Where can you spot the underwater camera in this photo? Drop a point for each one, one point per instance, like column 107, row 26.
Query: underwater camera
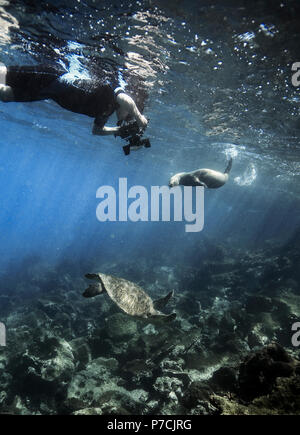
column 133, row 134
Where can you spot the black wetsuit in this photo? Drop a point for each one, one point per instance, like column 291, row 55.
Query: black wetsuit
column 90, row 96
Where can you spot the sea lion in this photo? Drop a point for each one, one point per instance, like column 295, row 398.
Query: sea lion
column 129, row 297
column 202, row 177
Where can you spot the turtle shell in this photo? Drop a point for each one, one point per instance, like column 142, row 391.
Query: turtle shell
column 130, row 297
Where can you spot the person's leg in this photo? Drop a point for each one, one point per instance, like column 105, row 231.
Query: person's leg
column 26, row 83
column 3, row 71
column 6, row 92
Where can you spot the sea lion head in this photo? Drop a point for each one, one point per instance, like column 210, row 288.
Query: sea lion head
column 175, row 179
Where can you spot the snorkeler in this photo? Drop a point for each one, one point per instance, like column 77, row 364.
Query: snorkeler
column 93, row 95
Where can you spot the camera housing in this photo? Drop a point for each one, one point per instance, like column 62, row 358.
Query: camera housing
column 133, row 134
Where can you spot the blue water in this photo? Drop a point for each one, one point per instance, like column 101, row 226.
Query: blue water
column 207, row 101
column 51, row 168
column 218, row 78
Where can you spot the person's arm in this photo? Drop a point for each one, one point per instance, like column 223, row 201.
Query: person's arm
column 104, row 131
column 127, row 105
column 99, row 128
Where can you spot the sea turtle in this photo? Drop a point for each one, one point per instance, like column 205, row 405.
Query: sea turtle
column 130, row 297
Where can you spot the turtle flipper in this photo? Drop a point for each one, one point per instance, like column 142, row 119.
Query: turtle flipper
column 165, row 317
column 160, row 317
column 158, row 304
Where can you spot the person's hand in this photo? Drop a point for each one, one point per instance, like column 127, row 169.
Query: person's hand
column 142, row 121
column 117, row 132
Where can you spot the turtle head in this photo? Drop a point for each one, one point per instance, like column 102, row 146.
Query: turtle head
column 93, row 290
column 93, row 276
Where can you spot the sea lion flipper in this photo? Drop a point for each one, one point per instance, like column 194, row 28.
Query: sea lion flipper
column 194, row 180
column 158, row 304
column 229, row 166
column 198, row 182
